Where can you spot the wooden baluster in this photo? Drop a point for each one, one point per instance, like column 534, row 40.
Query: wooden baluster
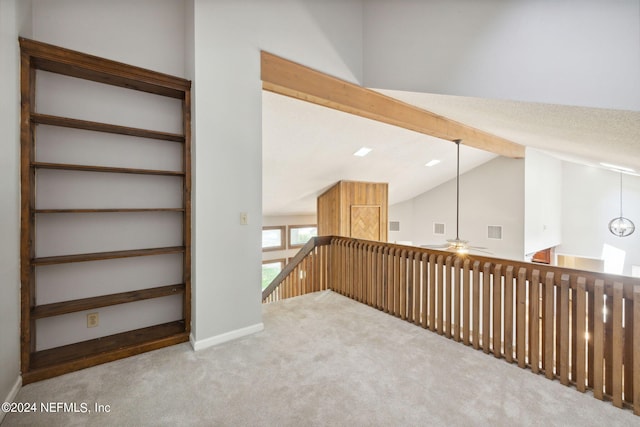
column 339, row 272
column 608, row 346
column 373, row 285
column 457, row 288
column 564, row 329
column 598, row 339
column 636, row 350
column 346, row 265
column 486, row 307
column 371, row 274
column 400, row 285
column 476, row 305
column 440, row 319
column 375, row 265
column 617, row 349
column 426, row 291
column 628, row 350
column 590, row 326
column 385, row 280
column 356, row 265
column 432, row 292
column 391, row 262
column 362, row 273
column 581, row 317
column 407, row 302
column 534, row 322
column 508, row 315
column 521, row 317
column 497, row 311
column 419, row 291
column 549, row 325
column 448, row 292
column 466, row 303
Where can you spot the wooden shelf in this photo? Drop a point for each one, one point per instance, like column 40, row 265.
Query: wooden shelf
column 56, row 361
column 45, row 119
column 65, row 307
column 36, row 57
column 125, row 210
column 89, row 67
column 107, row 169
column 63, row 259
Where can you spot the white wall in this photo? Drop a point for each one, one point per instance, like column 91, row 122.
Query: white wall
column 591, row 198
column 146, row 33
column 403, row 213
column 563, row 52
column 228, row 38
column 491, row 194
column 542, row 201
column 14, row 21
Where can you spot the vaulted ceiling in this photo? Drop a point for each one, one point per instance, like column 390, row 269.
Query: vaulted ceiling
column 307, row 147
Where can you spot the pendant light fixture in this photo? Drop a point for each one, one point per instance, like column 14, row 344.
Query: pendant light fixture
column 621, row 226
column 457, row 245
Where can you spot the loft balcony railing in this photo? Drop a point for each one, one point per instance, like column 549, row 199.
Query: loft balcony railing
column 581, row 328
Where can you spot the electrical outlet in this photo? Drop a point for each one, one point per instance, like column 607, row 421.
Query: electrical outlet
column 244, row 218
column 92, row 320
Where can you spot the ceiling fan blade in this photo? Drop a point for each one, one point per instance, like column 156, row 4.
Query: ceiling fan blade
column 435, row 246
column 475, row 249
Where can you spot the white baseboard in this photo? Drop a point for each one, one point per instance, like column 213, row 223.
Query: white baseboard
column 12, row 395
column 227, row 336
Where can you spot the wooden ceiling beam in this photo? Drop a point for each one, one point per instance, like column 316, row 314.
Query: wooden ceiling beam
column 288, row 78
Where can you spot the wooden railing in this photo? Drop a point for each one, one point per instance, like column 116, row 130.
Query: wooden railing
column 305, row 273
column 579, row 327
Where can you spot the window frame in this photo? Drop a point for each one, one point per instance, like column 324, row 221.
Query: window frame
column 282, row 261
column 283, row 240
column 291, row 227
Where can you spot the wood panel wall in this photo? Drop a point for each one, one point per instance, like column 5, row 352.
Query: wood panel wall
column 334, row 206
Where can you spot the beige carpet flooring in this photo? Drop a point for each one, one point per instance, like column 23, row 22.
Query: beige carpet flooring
column 322, row 360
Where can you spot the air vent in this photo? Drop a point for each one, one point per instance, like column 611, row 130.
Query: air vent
column 494, row 232
column 438, row 228
column 394, row 225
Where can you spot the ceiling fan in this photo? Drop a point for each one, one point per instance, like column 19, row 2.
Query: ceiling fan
column 457, row 245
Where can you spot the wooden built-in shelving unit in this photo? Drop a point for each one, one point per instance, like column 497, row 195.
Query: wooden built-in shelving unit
column 49, row 362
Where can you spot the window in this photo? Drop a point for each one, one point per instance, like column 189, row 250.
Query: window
column 300, row 234
column 270, row 270
column 273, row 238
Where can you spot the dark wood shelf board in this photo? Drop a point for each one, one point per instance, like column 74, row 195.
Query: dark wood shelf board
column 107, row 169
column 71, row 63
column 45, row 119
column 116, row 210
column 60, row 360
column 65, row 307
column 63, row 259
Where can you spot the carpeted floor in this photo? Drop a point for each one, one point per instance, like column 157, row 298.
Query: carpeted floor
column 322, row 359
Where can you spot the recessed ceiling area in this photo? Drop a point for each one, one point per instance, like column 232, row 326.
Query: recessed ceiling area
column 307, row 147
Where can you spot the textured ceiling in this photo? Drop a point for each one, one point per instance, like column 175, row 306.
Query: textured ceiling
column 307, row 148
column 584, row 135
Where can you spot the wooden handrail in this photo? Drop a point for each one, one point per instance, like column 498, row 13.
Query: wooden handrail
column 581, row 328
column 302, row 253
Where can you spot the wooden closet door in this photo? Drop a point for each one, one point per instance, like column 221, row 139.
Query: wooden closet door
column 365, row 222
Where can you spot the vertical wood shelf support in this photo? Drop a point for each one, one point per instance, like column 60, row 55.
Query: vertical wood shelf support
column 39, row 365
